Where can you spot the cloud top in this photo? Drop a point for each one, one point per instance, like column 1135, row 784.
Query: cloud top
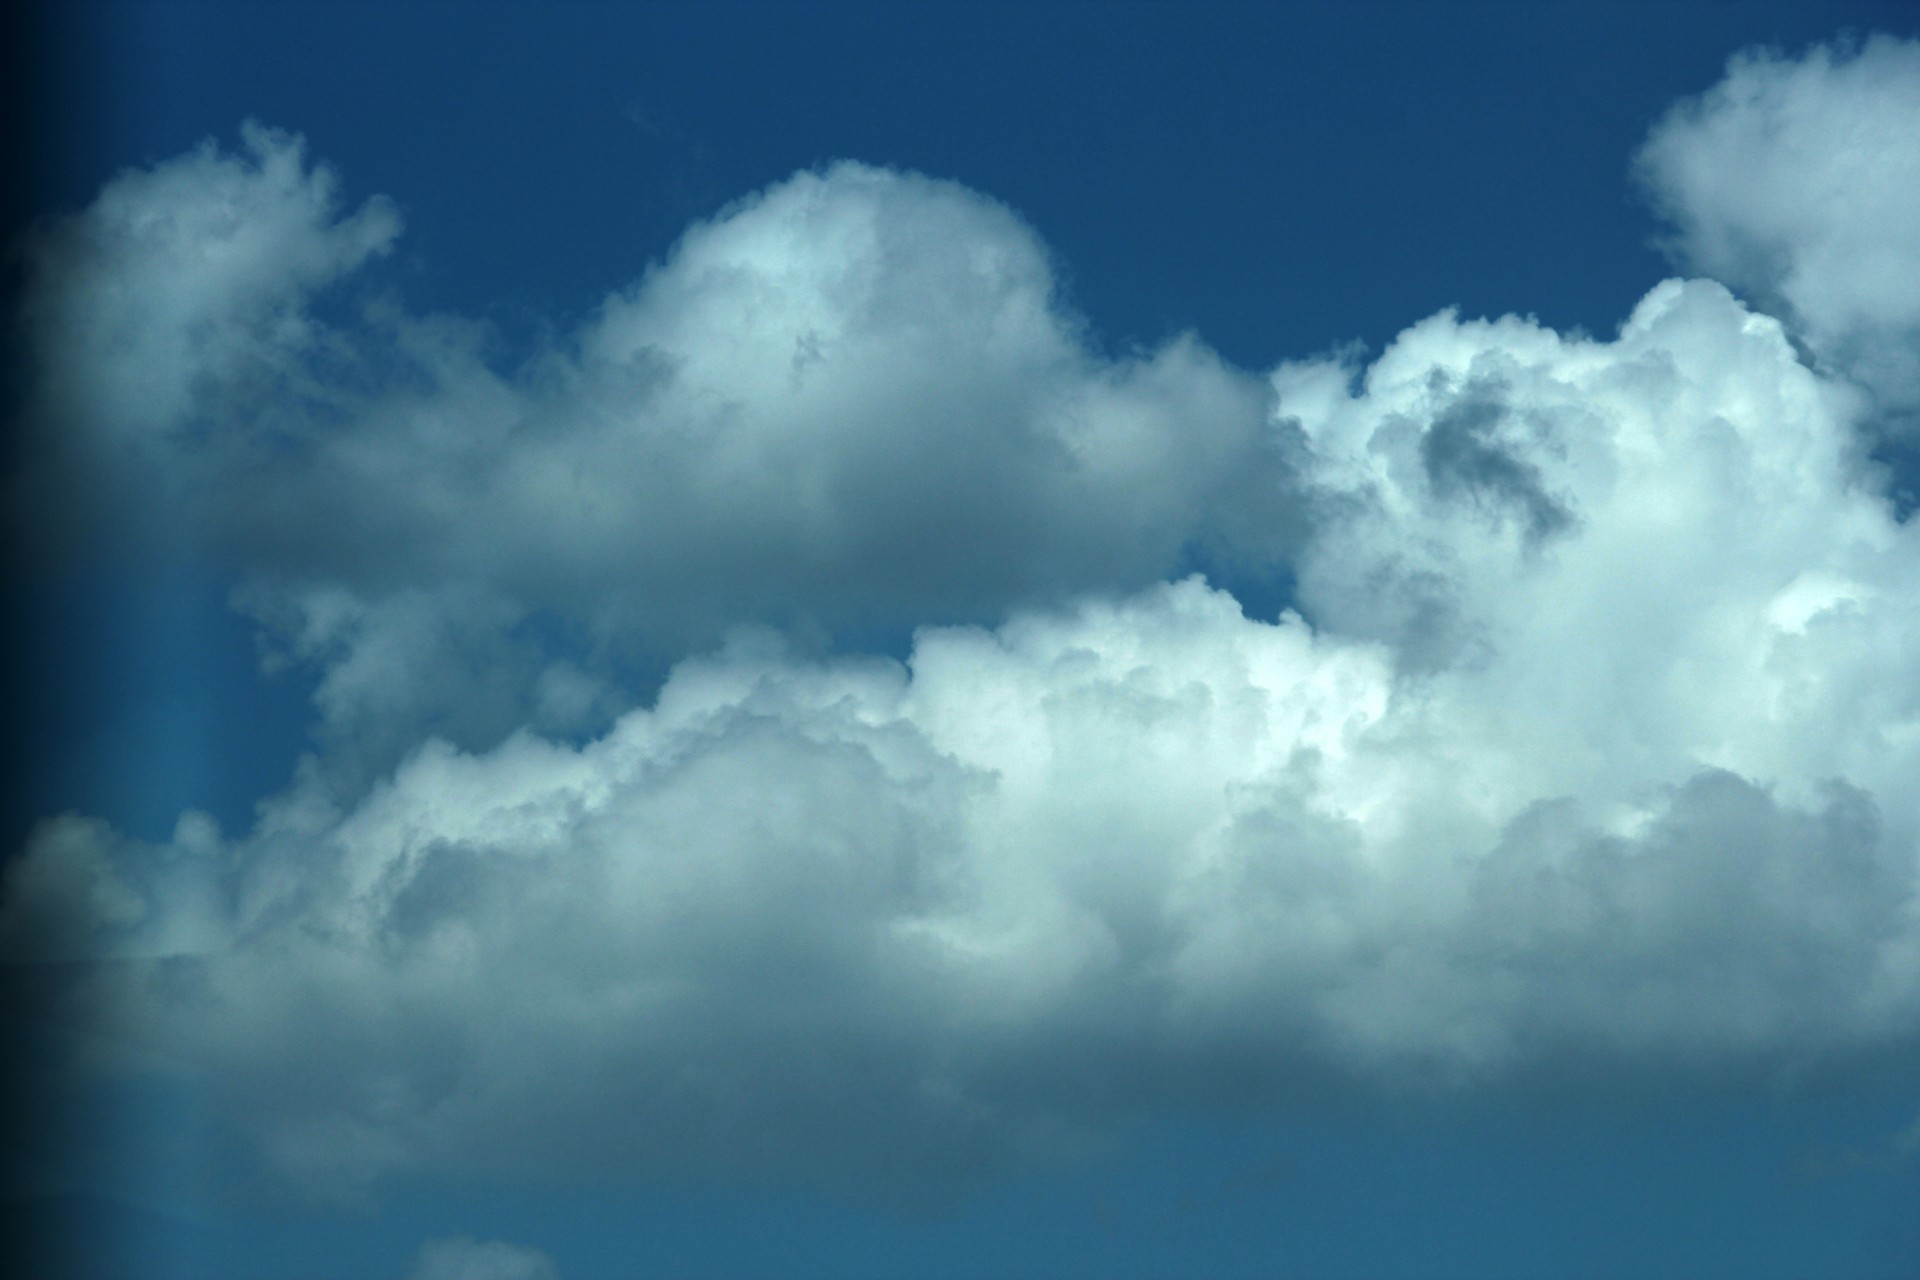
column 1795, row 180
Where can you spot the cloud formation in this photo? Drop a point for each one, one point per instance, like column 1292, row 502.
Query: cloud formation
column 851, row 401
column 1589, row 735
column 1795, row 180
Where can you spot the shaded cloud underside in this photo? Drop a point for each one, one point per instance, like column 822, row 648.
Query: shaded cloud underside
column 1591, row 731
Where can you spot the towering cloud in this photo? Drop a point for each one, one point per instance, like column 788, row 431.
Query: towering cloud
column 1589, row 735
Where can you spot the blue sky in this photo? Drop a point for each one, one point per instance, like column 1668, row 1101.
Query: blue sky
column 956, row 640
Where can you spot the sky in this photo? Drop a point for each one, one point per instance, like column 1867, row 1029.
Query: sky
column 929, row 640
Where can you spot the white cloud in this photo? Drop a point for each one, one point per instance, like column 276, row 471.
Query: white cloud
column 1796, row 179
column 1627, row 785
column 459, row 1258
column 162, row 320
column 851, row 400
column 1591, row 740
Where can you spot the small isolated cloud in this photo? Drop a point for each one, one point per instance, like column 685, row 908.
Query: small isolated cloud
column 1796, row 180
column 459, row 1258
column 1906, row 1143
column 1889, row 1155
column 1589, row 737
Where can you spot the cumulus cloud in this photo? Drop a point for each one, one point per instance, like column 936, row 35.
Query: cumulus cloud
column 1796, row 181
column 1631, row 789
column 459, row 1258
column 161, row 322
column 852, row 400
column 1589, row 735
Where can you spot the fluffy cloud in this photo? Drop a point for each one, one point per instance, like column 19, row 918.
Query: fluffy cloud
column 1589, row 737
column 165, row 321
column 850, row 401
column 1625, row 785
column 1796, row 179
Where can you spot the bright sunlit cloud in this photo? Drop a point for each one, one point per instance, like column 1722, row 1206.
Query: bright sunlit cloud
column 1796, row 179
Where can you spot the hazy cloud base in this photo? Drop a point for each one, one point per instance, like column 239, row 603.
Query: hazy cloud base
column 1591, row 733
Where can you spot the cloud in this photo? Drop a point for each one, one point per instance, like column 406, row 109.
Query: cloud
column 1588, row 739
column 462, row 1259
column 1631, row 791
column 1795, row 180
column 851, row 401
column 164, row 325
